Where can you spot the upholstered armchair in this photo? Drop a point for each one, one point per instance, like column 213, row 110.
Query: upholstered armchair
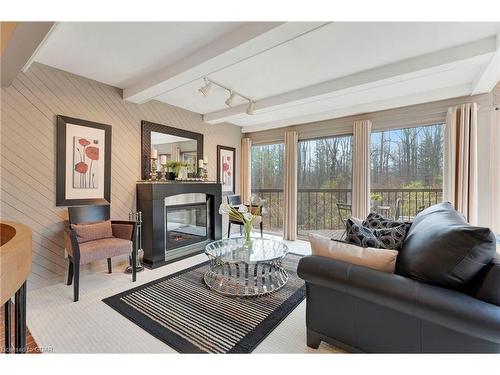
column 90, row 236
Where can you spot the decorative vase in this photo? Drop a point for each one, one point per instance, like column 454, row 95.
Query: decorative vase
column 248, row 232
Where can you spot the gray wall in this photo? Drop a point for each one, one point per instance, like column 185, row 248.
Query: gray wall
column 28, row 131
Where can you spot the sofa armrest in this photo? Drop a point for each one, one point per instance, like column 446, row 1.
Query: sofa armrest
column 123, row 229
column 434, row 304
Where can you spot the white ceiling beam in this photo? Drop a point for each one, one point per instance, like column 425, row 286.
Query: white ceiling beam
column 451, row 58
column 247, row 41
column 22, row 46
column 490, row 75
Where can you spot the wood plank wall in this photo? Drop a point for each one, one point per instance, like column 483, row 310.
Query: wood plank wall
column 28, row 144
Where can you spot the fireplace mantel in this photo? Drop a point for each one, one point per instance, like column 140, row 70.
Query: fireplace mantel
column 151, row 201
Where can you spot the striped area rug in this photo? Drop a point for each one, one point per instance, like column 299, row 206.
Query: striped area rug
column 183, row 313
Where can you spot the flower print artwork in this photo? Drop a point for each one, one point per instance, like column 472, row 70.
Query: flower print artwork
column 86, row 163
column 226, row 168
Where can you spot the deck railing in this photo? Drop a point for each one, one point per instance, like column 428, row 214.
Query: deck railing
column 317, row 208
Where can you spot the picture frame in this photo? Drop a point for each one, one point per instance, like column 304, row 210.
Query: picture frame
column 226, row 169
column 83, row 162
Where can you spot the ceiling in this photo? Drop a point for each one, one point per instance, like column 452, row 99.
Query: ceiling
column 296, row 72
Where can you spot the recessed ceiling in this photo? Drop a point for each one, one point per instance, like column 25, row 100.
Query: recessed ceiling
column 296, row 72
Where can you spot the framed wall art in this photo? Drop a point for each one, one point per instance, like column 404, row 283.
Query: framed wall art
column 226, row 169
column 83, row 171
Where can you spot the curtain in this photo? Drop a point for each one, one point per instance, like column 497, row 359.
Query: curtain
column 495, row 172
column 246, row 157
column 361, row 169
column 290, row 186
column 176, row 153
column 460, row 185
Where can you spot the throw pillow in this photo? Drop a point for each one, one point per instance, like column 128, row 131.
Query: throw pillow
column 94, row 231
column 377, row 259
column 385, row 238
column 377, row 221
column 441, row 248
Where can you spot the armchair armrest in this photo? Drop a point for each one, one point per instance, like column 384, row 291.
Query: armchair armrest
column 70, row 241
column 124, row 229
column 430, row 303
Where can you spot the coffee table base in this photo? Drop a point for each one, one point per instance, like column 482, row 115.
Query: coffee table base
column 245, row 280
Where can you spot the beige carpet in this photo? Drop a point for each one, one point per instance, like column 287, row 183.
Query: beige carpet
column 90, row 326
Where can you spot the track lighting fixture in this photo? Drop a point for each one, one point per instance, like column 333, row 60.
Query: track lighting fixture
column 205, row 88
column 251, row 107
column 232, row 95
column 230, row 101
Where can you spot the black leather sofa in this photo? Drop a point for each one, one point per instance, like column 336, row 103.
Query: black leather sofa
column 364, row 310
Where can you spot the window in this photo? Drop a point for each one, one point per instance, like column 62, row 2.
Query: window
column 324, row 178
column 406, row 170
column 267, row 182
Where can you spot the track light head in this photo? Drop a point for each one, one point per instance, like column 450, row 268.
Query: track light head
column 230, row 100
column 205, row 88
column 251, row 107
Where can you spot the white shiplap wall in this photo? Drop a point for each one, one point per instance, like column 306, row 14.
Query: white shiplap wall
column 28, row 146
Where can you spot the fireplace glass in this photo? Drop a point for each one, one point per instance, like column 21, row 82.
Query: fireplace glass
column 185, row 225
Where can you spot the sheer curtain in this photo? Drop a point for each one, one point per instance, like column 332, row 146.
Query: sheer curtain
column 246, row 157
column 460, row 185
column 290, row 187
column 361, row 168
column 495, row 172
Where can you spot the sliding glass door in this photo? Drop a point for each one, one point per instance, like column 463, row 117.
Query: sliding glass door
column 324, row 185
column 406, row 170
column 267, row 164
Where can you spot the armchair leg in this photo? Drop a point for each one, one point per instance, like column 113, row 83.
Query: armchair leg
column 313, row 339
column 229, row 230
column 261, row 229
column 109, row 266
column 76, row 283
column 70, row 272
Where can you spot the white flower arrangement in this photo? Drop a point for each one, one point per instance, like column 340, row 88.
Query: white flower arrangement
column 246, row 214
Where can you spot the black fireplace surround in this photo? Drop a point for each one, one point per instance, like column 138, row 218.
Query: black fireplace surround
column 176, row 228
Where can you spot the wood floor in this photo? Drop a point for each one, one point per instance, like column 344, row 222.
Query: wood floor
column 31, row 346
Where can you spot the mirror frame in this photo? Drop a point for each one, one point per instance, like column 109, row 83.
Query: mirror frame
column 147, row 127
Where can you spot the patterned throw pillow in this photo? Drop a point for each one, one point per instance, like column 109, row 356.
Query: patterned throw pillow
column 384, row 238
column 376, row 221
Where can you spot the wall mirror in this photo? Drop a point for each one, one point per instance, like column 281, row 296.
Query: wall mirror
column 171, row 144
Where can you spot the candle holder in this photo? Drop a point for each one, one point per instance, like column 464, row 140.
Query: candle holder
column 163, row 172
column 205, row 171
column 153, row 174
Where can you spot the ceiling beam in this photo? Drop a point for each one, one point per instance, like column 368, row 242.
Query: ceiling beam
column 22, row 45
column 443, row 60
column 490, row 75
column 248, row 40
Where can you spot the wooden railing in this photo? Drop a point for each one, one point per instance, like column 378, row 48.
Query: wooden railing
column 317, row 208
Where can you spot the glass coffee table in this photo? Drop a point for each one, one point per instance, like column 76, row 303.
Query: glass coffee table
column 237, row 269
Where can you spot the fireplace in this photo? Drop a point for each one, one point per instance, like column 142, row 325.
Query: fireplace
column 179, row 219
column 185, row 220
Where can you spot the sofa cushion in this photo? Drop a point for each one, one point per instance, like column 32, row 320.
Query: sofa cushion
column 91, row 251
column 441, row 248
column 93, row 231
column 378, row 259
column 486, row 284
column 385, row 238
